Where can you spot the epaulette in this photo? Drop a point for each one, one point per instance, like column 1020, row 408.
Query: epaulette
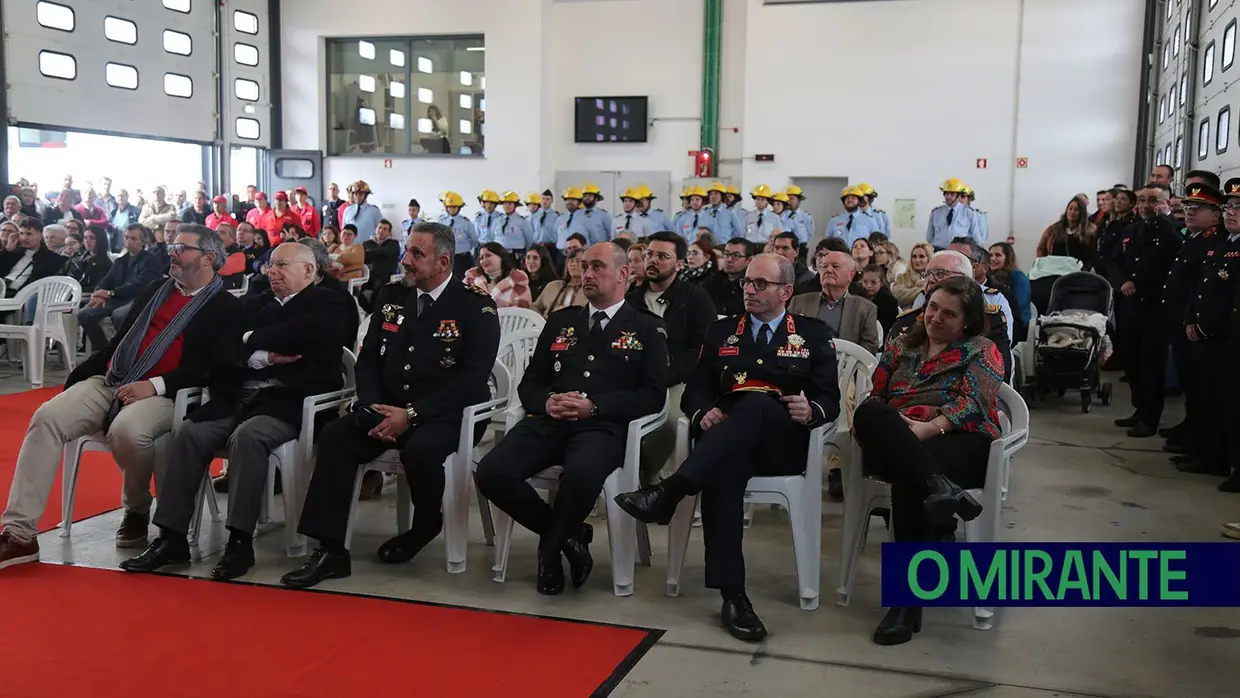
column 990, row 291
column 1209, row 232
column 995, row 309
column 476, row 289
column 910, row 311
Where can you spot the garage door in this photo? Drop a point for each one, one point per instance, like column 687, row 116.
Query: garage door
column 114, row 66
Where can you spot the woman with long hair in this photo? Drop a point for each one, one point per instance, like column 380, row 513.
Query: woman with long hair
column 887, row 255
column 330, row 237
column 874, row 288
column 1070, row 236
column 863, row 254
column 539, row 268
column 91, row 262
column 566, row 292
column 498, row 276
column 699, row 262
column 912, row 282
column 1004, row 270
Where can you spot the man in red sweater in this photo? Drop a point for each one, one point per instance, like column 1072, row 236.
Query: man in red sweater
column 174, row 337
column 220, row 214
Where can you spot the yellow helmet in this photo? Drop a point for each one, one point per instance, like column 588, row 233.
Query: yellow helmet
column 451, row 198
column 761, row 191
column 571, row 193
column 952, row 185
column 488, row 195
column 633, row 193
column 644, row 192
column 590, row 188
column 781, row 196
column 533, row 198
column 794, row 190
column 718, row 186
column 851, row 191
column 684, row 192
column 866, row 189
column 510, row 197
column 359, row 186
column 967, row 191
column 733, row 189
column 695, row 190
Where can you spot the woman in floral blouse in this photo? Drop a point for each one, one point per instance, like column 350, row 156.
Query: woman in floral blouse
column 928, row 423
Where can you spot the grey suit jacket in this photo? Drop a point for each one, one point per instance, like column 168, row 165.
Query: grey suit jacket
column 858, row 322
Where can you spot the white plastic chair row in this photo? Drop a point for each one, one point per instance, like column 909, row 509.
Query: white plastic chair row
column 360, row 282
column 55, row 297
column 514, row 319
column 862, row 493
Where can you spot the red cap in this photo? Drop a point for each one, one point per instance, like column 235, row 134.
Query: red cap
column 261, row 195
column 281, row 196
column 302, row 190
column 220, row 199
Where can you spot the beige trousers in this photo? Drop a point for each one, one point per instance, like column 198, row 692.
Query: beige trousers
column 77, row 412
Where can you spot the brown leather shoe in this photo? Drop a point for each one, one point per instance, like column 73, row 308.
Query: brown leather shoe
column 133, row 530
column 14, row 551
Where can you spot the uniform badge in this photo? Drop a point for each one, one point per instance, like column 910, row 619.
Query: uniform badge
column 489, row 309
column 556, row 366
column 1222, row 274
column 448, row 331
column 731, row 340
column 391, row 327
column 740, row 377
column 993, row 308
column 564, row 340
column 796, row 340
column 662, row 331
column 390, row 311
column 447, row 362
column 627, row 340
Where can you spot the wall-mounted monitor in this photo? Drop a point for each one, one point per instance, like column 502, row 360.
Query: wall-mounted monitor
column 611, row 119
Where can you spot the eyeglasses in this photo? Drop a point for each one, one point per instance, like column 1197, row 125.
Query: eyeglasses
column 940, row 274
column 735, row 255
column 1190, row 209
column 759, row 285
column 659, row 256
column 278, row 264
column 177, row 249
column 1231, row 208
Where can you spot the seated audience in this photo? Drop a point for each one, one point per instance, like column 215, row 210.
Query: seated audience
column 927, row 426
column 73, row 244
column 786, row 245
column 349, row 259
column 700, row 262
column 383, row 255
column 330, row 235
column 90, row 264
column 55, row 236
column 908, row 286
column 495, row 274
column 724, row 286
column 862, row 254
column 62, row 210
column 539, row 268
column 887, row 254
column 254, row 246
column 219, row 214
column 181, row 329
column 30, row 261
column 874, row 288
column 130, row 275
column 290, row 350
column 820, row 250
column 8, row 235
column 411, row 390
column 564, row 293
column 615, row 369
column 995, row 292
column 749, row 417
column 198, row 211
column 850, row 316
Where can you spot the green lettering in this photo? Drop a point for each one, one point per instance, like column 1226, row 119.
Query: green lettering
column 970, row 576
column 1013, row 588
column 1166, row 575
column 1102, row 568
column 1143, row 576
column 1073, row 576
column 944, row 577
column 1038, row 577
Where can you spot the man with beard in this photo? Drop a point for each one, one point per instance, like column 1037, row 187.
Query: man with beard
column 687, row 311
column 427, row 355
column 724, row 287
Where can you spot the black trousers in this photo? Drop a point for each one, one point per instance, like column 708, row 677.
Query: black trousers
column 1213, row 365
column 893, row 453
column 757, row 438
column 344, row 446
column 588, row 452
column 1145, row 358
column 1186, row 357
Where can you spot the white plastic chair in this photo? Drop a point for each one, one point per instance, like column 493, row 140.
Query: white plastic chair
column 513, row 319
column 362, row 328
column 621, row 528
column 457, row 480
column 72, row 460
column 243, row 289
column 863, row 493
column 395, row 277
column 799, row 495
column 356, row 285
column 54, row 297
column 881, row 336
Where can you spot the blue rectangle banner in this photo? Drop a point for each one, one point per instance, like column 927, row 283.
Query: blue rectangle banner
column 1061, row 574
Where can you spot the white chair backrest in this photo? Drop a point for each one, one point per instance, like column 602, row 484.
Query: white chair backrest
column 881, row 336
column 856, row 365
column 350, row 364
column 365, row 274
column 515, row 350
column 362, row 328
column 4, row 287
column 501, row 380
column 52, row 294
column 243, row 289
column 1013, row 410
column 513, row 319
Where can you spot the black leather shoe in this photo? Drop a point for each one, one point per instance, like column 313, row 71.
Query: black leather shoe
column 577, row 551
column 947, row 500
column 1231, row 484
column 321, row 566
column 1141, row 431
column 1174, row 446
column 652, row 505
column 1174, row 433
column 1201, row 467
column 162, row 551
column 1125, row 422
column 238, row 558
column 835, row 486
column 404, row 547
column 1182, row 459
column 742, row 622
column 898, row 626
column 550, row 574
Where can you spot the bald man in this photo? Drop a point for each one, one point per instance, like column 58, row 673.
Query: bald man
column 291, row 349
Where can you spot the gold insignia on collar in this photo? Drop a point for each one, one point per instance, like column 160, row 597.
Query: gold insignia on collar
column 477, row 290
column 489, row 309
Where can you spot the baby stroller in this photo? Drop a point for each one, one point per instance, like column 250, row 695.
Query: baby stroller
column 1072, row 342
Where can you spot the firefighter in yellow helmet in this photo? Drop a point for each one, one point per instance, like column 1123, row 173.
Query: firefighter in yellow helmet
column 511, row 230
column 658, row 219
column 867, row 205
column 733, row 199
column 795, row 198
column 694, row 217
column 969, row 196
column 762, row 221
column 595, row 218
column 953, row 219
column 631, row 218
column 462, row 229
column 487, row 219
column 719, row 218
column 542, row 218
column 853, row 223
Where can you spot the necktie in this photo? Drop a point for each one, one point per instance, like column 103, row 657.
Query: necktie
column 764, row 336
column 570, row 219
column 542, row 221
column 695, row 222
column 951, row 215
column 504, row 228
column 596, row 326
column 628, row 222
column 850, row 222
column 760, row 222
column 424, row 303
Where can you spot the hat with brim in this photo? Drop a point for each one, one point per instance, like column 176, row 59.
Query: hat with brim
column 1198, row 193
column 1231, row 188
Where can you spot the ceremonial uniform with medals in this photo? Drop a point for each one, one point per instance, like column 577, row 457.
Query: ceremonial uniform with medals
column 996, row 324
column 615, row 357
column 745, row 368
column 431, row 353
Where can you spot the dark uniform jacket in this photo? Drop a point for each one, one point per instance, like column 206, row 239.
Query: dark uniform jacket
column 207, row 342
column 1149, row 248
column 996, row 328
column 725, row 292
column 1182, row 280
column 688, row 312
column 1110, row 250
column 312, row 324
column 438, row 364
column 799, row 358
column 625, row 373
column 1210, row 309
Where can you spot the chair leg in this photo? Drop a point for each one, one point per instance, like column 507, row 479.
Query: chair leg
column 622, row 533
column 678, row 543
column 856, row 521
column 204, row 491
column 295, row 543
column 748, row 515
column 806, row 524
column 643, row 545
column 456, row 512
column 503, row 541
column 484, row 511
column 34, row 357
column 68, row 485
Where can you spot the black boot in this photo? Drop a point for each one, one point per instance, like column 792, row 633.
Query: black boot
column 404, row 547
column 947, row 500
column 1232, row 484
column 167, row 549
column 898, row 626
column 1128, row 421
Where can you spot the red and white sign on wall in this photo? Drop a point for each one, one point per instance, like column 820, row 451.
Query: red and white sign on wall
column 387, row 164
column 981, row 163
column 1022, row 163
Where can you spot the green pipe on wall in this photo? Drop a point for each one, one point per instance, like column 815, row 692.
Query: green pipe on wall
column 712, row 33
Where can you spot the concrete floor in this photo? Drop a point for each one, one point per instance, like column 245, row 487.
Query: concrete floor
column 1079, row 478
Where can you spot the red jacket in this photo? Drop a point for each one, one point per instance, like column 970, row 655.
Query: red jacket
column 309, row 220
column 273, row 223
column 214, row 221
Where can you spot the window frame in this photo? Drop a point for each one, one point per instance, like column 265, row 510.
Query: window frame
column 1162, row 109
column 163, row 36
column 1183, row 88
column 1203, row 139
column 1223, row 130
column 39, row 65
column 137, row 77
column 1207, row 64
column 1175, row 41
column 1231, row 27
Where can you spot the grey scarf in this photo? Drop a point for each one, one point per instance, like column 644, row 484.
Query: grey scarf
column 127, row 365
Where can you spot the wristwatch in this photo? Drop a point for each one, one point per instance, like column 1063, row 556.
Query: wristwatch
column 412, row 414
column 594, row 409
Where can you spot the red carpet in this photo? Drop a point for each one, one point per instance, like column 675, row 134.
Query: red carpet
column 99, row 480
column 101, row 633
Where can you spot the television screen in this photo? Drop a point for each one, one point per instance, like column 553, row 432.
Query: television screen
column 611, row 119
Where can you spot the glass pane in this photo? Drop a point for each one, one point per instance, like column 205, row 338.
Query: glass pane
column 178, row 85
column 294, row 168
column 1183, row 88
column 120, row 30
column 57, row 65
column 1229, row 45
column 247, row 128
column 176, row 42
column 1208, row 64
column 1173, row 98
column 425, row 95
column 1179, row 151
column 1175, row 42
column 54, row 16
column 177, row 5
column 1223, row 130
column 245, row 54
column 1203, row 140
column 369, row 83
column 245, row 22
column 120, row 75
column 449, row 82
column 245, row 90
